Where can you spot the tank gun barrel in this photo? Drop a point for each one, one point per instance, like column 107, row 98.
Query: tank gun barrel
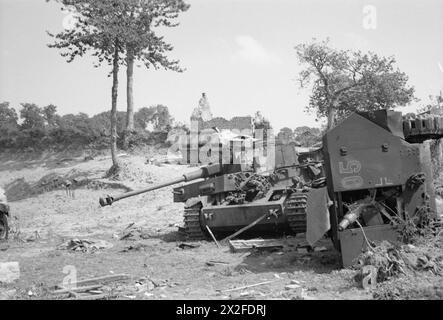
column 194, row 175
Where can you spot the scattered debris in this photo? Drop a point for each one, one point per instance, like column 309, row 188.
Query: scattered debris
column 78, row 289
column 292, row 287
column 212, row 263
column 135, row 247
column 260, row 244
column 392, row 260
column 188, row 246
column 249, row 286
column 131, row 232
column 85, row 245
column 302, row 250
column 88, row 289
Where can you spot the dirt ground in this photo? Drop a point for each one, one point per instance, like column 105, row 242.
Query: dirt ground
column 158, row 267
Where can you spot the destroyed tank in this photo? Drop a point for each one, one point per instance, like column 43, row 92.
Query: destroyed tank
column 226, row 198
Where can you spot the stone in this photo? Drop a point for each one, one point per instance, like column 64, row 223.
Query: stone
column 9, row 272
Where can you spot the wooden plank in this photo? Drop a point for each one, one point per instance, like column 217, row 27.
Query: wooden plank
column 103, row 279
column 245, row 228
column 78, row 289
column 250, row 286
column 213, row 237
column 263, row 244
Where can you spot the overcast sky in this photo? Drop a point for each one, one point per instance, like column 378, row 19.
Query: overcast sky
column 240, row 52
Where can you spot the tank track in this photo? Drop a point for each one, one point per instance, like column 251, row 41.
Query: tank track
column 295, row 212
column 192, row 225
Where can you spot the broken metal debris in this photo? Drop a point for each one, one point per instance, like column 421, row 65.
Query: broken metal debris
column 85, row 245
column 188, row 246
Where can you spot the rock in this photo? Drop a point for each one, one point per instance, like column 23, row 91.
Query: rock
column 292, row 287
column 9, row 272
column 7, row 294
column 320, row 249
column 295, row 282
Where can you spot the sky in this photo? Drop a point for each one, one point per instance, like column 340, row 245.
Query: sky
column 239, row 52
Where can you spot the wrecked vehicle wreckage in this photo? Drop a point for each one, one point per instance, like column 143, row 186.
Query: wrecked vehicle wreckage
column 361, row 190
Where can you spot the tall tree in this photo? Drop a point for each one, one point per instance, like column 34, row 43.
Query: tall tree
column 344, row 81
column 8, row 116
column 8, row 123
column 97, row 30
column 50, row 115
column 32, row 116
column 140, row 21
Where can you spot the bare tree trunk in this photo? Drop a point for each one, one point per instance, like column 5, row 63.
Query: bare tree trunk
column 115, row 68
column 129, row 96
column 332, row 112
column 331, row 117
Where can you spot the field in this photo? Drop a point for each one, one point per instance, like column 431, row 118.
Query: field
column 152, row 253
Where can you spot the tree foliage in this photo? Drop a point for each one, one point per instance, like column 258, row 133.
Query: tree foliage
column 143, row 44
column 99, row 30
column 44, row 129
column 32, row 116
column 307, row 136
column 344, row 81
column 157, row 116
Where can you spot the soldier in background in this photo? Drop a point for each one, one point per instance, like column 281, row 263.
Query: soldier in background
column 4, row 214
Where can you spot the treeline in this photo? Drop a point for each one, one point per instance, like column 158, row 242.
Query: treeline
column 304, row 136
column 42, row 128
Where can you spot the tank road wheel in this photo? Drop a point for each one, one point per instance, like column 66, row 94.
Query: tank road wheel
column 4, row 228
column 296, row 212
column 192, row 223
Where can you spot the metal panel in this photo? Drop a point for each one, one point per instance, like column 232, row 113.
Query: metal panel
column 352, row 241
column 363, row 155
column 242, row 215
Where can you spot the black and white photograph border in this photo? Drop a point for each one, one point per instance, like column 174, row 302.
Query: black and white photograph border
column 226, row 150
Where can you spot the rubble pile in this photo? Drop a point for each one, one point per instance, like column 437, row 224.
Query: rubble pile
column 20, row 189
column 133, row 172
column 406, row 271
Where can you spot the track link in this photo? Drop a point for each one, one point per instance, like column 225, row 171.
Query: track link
column 192, row 225
column 295, row 212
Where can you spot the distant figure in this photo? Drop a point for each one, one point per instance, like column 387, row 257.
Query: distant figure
column 69, row 191
column 203, row 111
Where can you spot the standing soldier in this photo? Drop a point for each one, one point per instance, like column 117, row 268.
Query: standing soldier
column 4, row 214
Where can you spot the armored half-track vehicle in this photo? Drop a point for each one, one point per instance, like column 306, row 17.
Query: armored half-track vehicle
column 228, row 197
